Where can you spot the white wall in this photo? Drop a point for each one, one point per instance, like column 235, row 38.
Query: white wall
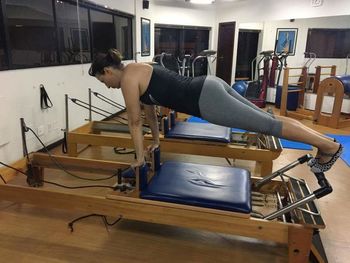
column 20, row 98
column 20, row 93
column 251, row 11
column 19, row 89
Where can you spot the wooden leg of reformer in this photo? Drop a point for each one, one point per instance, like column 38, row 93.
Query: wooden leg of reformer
column 72, row 149
column 263, row 168
column 299, row 244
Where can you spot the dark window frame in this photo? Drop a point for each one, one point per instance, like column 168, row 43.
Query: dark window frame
column 312, row 43
column 84, row 4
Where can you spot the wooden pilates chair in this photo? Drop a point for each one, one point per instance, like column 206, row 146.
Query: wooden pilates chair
column 334, row 86
column 212, row 198
column 299, row 87
column 319, row 72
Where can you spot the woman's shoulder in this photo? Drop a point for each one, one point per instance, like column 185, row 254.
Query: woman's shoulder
column 136, row 72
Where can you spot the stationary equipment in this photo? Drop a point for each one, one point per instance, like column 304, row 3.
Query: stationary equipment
column 336, row 86
column 205, row 57
column 320, row 72
column 169, row 61
column 310, row 77
column 294, row 82
column 256, row 90
column 212, row 198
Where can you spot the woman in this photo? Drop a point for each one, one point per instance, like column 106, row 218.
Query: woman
column 207, row 97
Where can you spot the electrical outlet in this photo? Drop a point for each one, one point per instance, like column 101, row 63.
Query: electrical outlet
column 316, row 3
column 41, row 130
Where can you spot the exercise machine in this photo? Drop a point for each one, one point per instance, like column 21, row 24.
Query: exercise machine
column 212, row 198
column 336, row 86
column 199, row 141
column 207, row 58
column 290, row 84
column 320, row 72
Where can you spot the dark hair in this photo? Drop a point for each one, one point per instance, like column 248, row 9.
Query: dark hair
column 112, row 58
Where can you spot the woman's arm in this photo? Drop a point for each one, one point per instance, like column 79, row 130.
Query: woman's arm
column 151, row 116
column 131, row 94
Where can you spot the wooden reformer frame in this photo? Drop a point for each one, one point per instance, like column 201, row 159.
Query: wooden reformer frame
column 262, row 149
column 298, row 236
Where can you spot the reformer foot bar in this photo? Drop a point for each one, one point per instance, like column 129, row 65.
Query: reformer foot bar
column 224, row 144
column 213, row 198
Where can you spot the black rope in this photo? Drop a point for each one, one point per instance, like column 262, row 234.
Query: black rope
column 77, row 102
column 2, row 178
column 119, row 150
column 104, row 218
column 45, row 102
column 64, row 143
column 109, row 101
column 53, row 183
column 60, row 166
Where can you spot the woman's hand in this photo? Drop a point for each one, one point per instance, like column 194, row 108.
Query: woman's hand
column 152, row 147
column 136, row 164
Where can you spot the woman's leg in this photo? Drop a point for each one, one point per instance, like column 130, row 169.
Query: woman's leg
column 219, row 106
column 296, row 131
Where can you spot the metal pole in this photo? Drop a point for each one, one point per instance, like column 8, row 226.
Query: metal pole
column 90, row 113
column 290, row 207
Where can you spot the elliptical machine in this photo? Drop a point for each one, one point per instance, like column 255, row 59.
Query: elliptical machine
column 257, row 89
column 205, row 57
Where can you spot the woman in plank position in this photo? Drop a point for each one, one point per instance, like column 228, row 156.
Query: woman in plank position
column 207, row 97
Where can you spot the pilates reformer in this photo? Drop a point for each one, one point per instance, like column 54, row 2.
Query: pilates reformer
column 336, row 86
column 111, row 123
column 212, row 198
column 215, row 141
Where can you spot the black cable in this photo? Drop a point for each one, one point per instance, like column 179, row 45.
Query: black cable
column 60, row 166
column 118, row 150
column 77, row 101
column 53, row 183
column 2, row 178
column 104, row 218
column 109, row 101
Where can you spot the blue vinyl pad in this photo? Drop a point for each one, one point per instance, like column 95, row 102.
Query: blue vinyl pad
column 224, row 188
column 200, row 131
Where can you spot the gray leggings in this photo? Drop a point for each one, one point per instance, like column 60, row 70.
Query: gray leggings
column 222, row 105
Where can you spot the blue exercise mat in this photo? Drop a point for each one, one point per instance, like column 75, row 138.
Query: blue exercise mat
column 295, row 145
column 345, row 141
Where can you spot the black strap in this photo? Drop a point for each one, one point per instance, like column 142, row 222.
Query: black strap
column 44, row 98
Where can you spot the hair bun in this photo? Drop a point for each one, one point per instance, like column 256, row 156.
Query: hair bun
column 115, row 55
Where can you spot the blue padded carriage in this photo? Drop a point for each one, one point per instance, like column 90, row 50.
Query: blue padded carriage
column 225, row 188
column 200, row 131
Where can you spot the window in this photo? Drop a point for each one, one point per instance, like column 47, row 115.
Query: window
column 180, row 41
column 51, row 32
column 3, row 55
column 72, row 36
column 328, row 43
column 103, row 32
column 123, row 26
column 31, row 33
